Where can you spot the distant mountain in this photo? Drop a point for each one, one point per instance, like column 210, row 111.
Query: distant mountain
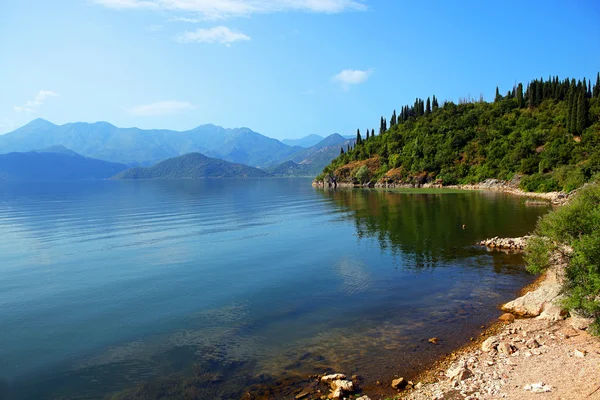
column 192, row 166
column 59, row 149
column 134, row 146
column 54, row 166
column 305, row 142
column 292, row 169
column 311, row 161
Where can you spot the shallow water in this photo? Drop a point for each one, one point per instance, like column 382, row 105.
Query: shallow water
column 209, row 287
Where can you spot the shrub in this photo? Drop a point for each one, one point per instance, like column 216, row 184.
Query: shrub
column 576, row 224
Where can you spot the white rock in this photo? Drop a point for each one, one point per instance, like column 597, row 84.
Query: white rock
column 346, row 386
column 332, row 377
column 489, row 344
column 579, row 353
column 538, row 387
column 532, row 304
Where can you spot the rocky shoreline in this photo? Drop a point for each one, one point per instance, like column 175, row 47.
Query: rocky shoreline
column 555, row 198
column 533, row 348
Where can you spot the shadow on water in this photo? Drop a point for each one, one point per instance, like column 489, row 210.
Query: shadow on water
column 392, row 268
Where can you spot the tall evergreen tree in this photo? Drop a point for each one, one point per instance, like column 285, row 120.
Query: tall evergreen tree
column 428, row 107
column 341, row 151
column 372, row 132
column 393, row 119
column 572, row 104
column 539, row 94
column 582, row 112
column 358, row 137
column 498, row 96
column 597, row 87
column 434, row 103
column 520, row 99
column 367, row 134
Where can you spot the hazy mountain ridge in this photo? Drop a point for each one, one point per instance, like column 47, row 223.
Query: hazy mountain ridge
column 139, row 147
column 192, row 166
column 43, row 166
column 306, row 142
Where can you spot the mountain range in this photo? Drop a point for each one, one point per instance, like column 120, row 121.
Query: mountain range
column 139, row 147
column 192, row 166
column 54, row 164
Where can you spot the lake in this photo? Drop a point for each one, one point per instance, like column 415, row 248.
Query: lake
column 214, row 288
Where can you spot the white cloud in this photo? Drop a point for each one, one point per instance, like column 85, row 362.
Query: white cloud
column 218, row 34
column 161, row 108
column 31, row 106
column 352, row 77
column 219, row 9
column 185, row 19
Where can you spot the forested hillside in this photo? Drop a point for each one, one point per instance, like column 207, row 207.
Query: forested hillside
column 548, row 131
column 192, row 166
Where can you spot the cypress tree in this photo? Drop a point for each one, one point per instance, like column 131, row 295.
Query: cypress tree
column 582, row 112
column 539, row 94
column 498, row 96
column 341, row 151
column 367, row 134
column 531, row 95
column 384, row 125
column 434, row 103
column 428, row 107
column 520, row 99
column 358, row 137
column 372, row 132
column 393, row 119
column 597, row 86
column 572, row 104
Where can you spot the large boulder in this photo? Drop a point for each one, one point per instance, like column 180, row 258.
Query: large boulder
column 532, row 304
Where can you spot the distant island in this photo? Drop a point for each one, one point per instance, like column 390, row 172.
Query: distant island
column 192, row 166
column 545, row 133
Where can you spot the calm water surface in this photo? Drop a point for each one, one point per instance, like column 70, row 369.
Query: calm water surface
column 121, row 288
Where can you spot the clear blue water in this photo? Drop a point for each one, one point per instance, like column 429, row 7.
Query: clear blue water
column 229, row 284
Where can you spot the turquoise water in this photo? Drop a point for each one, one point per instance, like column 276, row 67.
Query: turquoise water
column 229, row 284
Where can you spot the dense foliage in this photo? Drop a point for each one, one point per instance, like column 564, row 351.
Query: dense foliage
column 577, row 225
column 192, row 166
column 549, row 132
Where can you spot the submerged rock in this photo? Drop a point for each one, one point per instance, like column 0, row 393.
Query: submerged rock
column 332, row 377
column 399, row 383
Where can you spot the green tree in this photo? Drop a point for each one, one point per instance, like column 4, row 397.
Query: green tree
column 358, row 137
column 596, row 91
column 393, row 119
column 582, row 112
column 428, row 107
column 520, row 99
column 498, row 95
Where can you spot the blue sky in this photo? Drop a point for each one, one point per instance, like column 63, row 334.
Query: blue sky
column 284, row 68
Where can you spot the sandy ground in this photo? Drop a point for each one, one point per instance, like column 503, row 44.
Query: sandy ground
column 564, row 361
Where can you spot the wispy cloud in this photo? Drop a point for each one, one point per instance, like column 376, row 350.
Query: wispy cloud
column 220, row 9
column 161, row 108
column 352, row 77
column 218, row 34
column 185, row 19
column 32, row 105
